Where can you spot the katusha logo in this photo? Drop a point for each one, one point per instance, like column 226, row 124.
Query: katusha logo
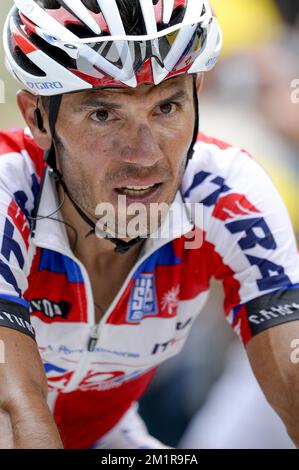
column 170, row 300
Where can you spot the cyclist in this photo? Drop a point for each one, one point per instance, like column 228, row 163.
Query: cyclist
column 89, row 310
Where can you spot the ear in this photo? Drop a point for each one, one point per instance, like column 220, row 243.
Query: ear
column 27, row 103
column 199, row 82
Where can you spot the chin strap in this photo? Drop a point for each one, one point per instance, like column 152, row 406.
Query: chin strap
column 120, row 245
column 50, row 158
column 196, row 124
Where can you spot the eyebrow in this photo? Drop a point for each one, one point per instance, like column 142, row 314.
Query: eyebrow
column 178, row 96
column 92, row 102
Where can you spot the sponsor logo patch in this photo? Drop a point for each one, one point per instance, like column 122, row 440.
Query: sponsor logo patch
column 274, row 312
column 143, row 300
column 170, row 300
column 273, row 309
column 49, row 308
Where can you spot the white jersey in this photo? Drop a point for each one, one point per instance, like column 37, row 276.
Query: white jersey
column 95, row 372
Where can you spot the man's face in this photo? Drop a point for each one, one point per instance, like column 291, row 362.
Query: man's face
column 126, row 142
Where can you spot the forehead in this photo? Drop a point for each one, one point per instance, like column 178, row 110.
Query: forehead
column 144, row 91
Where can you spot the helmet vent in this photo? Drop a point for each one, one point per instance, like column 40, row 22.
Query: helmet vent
column 177, row 16
column 23, row 61
column 48, row 4
column 92, row 5
column 54, row 52
column 80, row 30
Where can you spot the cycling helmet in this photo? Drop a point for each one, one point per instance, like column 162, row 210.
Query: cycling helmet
column 60, row 46
column 55, row 47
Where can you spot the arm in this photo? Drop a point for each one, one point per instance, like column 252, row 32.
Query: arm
column 25, row 419
column 253, row 250
column 270, row 356
column 23, row 395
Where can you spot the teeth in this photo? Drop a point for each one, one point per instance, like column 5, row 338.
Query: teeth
column 139, row 188
column 136, row 190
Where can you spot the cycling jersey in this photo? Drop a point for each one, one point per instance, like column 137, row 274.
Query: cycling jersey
column 96, row 372
column 129, row 433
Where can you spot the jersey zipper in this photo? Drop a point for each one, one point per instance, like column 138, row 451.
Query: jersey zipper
column 94, row 332
column 93, row 338
column 94, row 329
column 94, row 335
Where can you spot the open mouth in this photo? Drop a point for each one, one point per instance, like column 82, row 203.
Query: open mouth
column 138, row 192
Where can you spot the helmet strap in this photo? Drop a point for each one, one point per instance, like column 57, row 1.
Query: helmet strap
column 54, row 106
column 50, row 158
column 196, row 124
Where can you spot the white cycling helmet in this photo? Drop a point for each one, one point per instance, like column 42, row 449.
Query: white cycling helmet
column 55, row 47
column 60, row 46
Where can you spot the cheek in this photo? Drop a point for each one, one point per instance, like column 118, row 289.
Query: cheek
column 178, row 130
column 92, row 158
column 84, row 167
column 175, row 142
column 82, row 141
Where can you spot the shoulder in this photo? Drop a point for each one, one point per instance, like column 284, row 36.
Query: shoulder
column 18, row 150
column 21, row 169
column 223, row 168
column 216, row 157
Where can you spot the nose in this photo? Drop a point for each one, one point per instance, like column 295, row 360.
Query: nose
column 141, row 146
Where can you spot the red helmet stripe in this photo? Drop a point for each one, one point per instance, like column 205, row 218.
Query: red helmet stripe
column 158, row 12
column 23, row 42
column 179, row 3
column 29, row 24
column 65, row 18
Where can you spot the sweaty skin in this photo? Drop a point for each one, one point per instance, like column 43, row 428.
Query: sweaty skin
column 25, row 419
column 145, row 134
column 270, row 357
column 115, row 137
column 88, row 154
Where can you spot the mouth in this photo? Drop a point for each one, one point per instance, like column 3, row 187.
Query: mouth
column 139, row 192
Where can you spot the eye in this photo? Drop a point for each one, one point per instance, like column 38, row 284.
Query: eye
column 168, row 108
column 102, row 115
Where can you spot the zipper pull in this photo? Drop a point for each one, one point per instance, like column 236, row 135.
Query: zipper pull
column 93, row 339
